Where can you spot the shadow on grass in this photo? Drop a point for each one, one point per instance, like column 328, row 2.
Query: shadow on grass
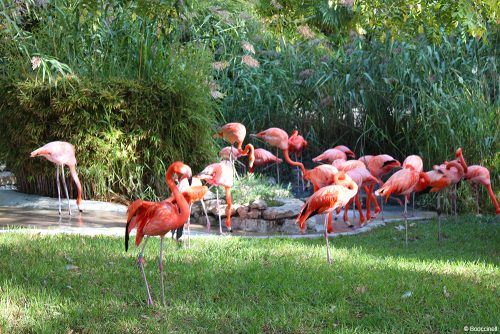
column 241, row 285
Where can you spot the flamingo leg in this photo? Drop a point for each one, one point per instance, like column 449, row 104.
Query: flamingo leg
column 413, row 205
column 218, row 209
column 161, row 272
column 58, row 188
column 140, row 261
column 360, row 210
column 438, row 208
column 353, row 210
column 382, row 204
column 406, row 221
column 232, row 159
column 493, row 198
column 189, row 227
column 229, row 203
column 65, row 188
column 277, row 167
column 346, row 212
column 328, row 257
column 206, row 214
column 330, row 226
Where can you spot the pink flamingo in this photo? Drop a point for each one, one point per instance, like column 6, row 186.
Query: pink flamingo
column 62, row 153
column 264, row 157
column 378, row 165
column 330, row 156
column 158, row 219
column 418, row 164
column 403, row 182
column 476, row 175
column 220, row 174
column 279, row 138
column 327, row 199
column 363, row 179
column 234, row 133
column 346, row 150
column 296, row 144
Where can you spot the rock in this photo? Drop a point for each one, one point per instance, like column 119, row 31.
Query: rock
column 290, row 209
column 259, row 204
column 242, row 211
column 290, row 227
column 223, row 208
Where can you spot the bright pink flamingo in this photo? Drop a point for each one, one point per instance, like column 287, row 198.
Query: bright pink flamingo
column 296, row 144
column 278, row 138
column 62, row 153
column 158, row 219
column 476, row 175
column 264, row 157
column 378, row 165
column 403, row 182
column 327, row 199
column 417, row 164
column 220, row 174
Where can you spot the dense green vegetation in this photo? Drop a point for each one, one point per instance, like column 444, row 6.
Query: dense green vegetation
column 244, row 285
column 399, row 78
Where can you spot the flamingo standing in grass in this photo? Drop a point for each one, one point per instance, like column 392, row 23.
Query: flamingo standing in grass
column 62, row 153
column 327, row 199
column 279, row 138
column 296, row 144
column 476, row 175
column 220, row 174
column 158, row 219
column 403, row 182
column 437, row 181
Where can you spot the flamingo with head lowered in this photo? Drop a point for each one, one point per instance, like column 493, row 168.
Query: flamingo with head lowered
column 279, row 138
column 61, row 153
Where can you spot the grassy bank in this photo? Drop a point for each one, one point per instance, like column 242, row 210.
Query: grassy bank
column 241, row 285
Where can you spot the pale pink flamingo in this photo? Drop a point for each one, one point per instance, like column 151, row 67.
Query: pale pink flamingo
column 363, row 179
column 403, row 182
column 327, row 199
column 62, row 153
column 157, row 219
column 279, row 138
column 220, row 174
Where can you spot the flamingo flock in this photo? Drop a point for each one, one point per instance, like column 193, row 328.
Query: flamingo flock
column 337, row 183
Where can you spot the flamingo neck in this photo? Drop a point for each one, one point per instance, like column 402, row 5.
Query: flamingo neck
column 293, row 163
column 249, row 150
column 458, row 166
column 179, row 198
column 462, row 162
column 349, row 184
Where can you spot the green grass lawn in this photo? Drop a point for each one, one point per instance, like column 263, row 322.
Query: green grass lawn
column 242, row 285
